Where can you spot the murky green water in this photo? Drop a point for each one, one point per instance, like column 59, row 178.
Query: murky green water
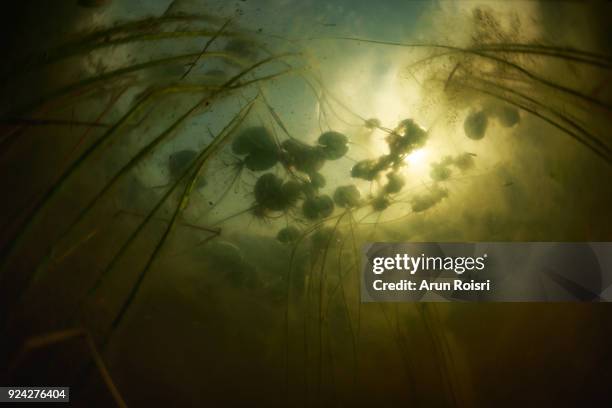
column 188, row 185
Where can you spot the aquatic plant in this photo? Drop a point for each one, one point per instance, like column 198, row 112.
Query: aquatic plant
column 194, row 130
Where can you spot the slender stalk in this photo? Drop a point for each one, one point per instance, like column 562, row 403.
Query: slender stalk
column 484, row 55
column 357, row 294
column 567, row 50
column 117, row 73
column 198, row 164
column 52, row 122
column 87, row 42
column 147, row 23
column 591, row 138
column 535, row 112
column 208, row 43
column 35, row 213
column 321, row 297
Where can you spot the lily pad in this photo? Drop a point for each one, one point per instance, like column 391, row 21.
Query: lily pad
column 304, row 158
column 395, row 183
column 475, row 125
column 347, row 196
column 334, row 145
column 288, row 235
column 269, row 192
column 317, row 180
column 179, row 161
column 318, row 207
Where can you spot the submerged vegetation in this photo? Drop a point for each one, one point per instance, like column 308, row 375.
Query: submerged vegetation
column 179, row 155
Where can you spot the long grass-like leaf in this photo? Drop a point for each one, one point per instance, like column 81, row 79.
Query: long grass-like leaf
column 535, row 112
column 208, row 43
column 117, row 73
column 74, row 166
column 594, row 143
column 8, row 250
column 484, row 55
column 198, row 165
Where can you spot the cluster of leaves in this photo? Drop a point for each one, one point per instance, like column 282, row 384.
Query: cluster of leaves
column 476, row 123
column 443, row 170
column 407, row 137
column 300, row 187
column 259, row 151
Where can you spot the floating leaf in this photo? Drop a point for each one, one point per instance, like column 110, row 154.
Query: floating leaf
column 317, row 180
column 269, row 192
column 475, row 125
column 425, row 201
column 179, row 161
column 288, row 235
column 305, row 158
column 507, row 116
column 395, row 183
column 347, row 196
column 318, row 207
column 335, row 145
column 380, row 203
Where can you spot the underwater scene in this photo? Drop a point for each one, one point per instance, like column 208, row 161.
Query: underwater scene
column 188, row 186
